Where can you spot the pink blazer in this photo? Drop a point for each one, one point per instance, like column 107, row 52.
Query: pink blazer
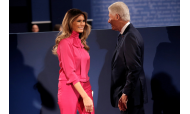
column 74, row 60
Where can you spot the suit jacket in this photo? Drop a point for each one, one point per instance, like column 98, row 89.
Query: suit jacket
column 127, row 73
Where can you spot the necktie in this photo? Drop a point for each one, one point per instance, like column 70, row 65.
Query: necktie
column 119, row 38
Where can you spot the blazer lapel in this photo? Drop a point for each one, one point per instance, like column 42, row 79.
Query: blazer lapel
column 113, row 57
column 115, row 54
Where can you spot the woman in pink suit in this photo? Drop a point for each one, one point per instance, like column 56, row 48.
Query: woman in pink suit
column 74, row 89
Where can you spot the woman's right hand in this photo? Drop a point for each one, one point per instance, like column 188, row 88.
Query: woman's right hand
column 88, row 104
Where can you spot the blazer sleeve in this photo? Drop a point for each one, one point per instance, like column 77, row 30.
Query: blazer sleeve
column 132, row 58
column 68, row 61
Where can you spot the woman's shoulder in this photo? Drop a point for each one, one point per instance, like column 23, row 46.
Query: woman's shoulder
column 67, row 40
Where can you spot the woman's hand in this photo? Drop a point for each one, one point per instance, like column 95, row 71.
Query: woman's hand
column 88, row 104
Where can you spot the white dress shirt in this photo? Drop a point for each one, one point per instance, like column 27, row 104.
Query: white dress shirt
column 124, row 27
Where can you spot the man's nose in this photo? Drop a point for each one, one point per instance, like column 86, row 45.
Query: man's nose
column 108, row 20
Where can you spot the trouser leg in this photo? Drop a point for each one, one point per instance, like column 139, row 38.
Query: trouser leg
column 134, row 110
column 67, row 98
column 80, row 106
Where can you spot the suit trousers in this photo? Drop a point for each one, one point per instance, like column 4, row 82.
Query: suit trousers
column 134, row 110
column 69, row 100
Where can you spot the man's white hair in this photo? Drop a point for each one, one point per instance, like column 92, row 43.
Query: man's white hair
column 121, row 9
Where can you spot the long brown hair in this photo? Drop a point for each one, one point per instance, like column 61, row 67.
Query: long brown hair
column 70, row 16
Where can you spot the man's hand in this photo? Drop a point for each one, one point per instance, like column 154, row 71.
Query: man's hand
column 122, row 104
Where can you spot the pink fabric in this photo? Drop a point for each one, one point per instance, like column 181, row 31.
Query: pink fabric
column 74, row 60
column 69, row 100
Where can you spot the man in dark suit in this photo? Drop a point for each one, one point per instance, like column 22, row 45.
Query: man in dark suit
column 128, row 83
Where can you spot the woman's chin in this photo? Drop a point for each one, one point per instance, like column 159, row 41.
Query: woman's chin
column 80, row 31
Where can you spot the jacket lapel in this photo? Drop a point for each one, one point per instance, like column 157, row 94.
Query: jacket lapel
column 116, row 51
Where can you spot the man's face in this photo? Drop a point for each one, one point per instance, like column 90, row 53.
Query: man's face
column 113, row 21
column 35, row 28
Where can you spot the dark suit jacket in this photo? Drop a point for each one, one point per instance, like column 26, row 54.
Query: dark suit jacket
column 127, row 73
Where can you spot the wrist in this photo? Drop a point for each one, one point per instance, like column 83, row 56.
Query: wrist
column 84, row 95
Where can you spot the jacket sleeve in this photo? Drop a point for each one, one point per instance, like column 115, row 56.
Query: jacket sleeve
column 132, row 58
column 68, row 61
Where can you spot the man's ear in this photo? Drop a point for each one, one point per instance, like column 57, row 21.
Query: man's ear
column 117, row 16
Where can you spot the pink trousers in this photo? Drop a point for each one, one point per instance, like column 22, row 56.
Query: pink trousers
column 69, row 100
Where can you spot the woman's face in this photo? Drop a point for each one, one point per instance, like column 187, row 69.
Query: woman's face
column 78, row 24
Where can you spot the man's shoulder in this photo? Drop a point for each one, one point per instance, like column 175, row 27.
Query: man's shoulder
column 130, row 29
column 130, row 33
column 133, row 35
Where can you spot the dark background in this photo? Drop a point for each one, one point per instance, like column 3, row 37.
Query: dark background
column 34, row 71
column 23, row 12
column 144, row 13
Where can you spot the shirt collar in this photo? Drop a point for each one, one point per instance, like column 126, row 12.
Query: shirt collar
column 76, row 39
column 74, row 34
column 124, row 27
